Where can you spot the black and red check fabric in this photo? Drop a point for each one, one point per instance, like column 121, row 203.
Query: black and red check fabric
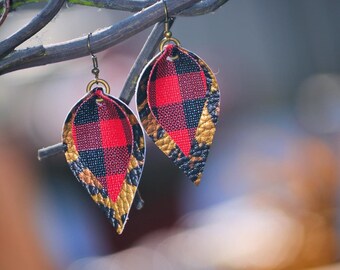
column 178, row 103
column 103, row 138
column 176, row 93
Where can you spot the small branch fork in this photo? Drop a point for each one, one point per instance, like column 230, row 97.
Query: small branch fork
column 39, row 22
column 36, row 56
column 200, row 8
column 5, row 10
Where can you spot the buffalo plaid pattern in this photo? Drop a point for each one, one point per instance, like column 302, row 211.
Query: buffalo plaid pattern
column 176, row 92
column 103, row 138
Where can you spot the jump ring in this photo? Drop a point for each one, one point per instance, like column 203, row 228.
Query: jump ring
column 167, row 40
column 98, row 81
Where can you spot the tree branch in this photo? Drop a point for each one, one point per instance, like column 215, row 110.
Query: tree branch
column 22, row 56
column 203, row 7
column 101, row 39
column 34, row 26
column 4, row 11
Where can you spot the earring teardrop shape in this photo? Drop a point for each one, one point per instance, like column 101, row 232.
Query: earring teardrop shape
column 105, row 152
column 178, row 103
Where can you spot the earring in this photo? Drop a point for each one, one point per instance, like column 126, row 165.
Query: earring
column 178, row 104
column 105, row 149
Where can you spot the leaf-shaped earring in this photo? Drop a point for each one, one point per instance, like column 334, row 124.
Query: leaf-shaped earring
column 105, row 149
column 178, row 104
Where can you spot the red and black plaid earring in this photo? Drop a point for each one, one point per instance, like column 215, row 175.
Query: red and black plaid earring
column 178, row 104
column 105, row 149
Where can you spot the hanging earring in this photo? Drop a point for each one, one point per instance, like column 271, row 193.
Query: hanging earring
column 178, row 103
column 105, row 148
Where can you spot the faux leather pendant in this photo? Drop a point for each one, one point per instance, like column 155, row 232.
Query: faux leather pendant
column 178, row 104
column 105, row 151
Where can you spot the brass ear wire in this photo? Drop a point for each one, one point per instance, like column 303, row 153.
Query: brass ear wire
column 166, row 21
column 167, row 33
column 95, row 70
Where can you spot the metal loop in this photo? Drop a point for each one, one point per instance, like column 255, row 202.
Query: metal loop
column 164, row 41
column 98, row 81
column 95, row 72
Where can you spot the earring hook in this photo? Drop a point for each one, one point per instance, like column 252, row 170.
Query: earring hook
column 89, row 43
column 95, row 70
column 166, row 11
column 167, row 33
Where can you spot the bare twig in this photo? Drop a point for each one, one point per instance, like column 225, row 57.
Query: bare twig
column 22, row 56
column 6, row 8
column 52, row 150
column 102, row 39
column 105, row 38
column 202, row 7
column 34, row 26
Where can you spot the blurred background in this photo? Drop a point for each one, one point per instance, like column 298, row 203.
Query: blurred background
column 268, row 199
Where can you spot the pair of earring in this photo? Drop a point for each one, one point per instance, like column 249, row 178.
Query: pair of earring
column 178, row 107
